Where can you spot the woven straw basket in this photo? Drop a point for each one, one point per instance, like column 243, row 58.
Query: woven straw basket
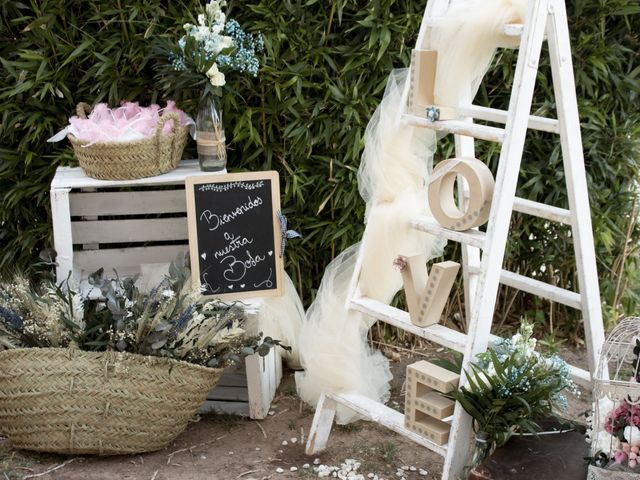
column 130, row 160
column 70, row 401
column 596, row 473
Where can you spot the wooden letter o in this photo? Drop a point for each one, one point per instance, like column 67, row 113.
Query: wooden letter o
column 441, row 193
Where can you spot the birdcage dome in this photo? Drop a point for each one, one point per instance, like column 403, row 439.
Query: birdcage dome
column 616, row 416
column 618, row 371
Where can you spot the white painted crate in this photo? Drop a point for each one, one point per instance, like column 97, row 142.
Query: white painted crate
column 125, row 224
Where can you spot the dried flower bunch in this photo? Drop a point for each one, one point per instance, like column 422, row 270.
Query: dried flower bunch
column 169, row 321
column 209, row 48
column 511, row 386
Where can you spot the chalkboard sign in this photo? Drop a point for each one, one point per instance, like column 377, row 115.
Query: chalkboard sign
column 234, row 234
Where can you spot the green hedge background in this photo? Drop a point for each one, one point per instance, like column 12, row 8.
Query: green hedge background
column 325, row 69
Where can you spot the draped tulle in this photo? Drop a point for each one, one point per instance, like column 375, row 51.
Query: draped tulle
column 392, row 180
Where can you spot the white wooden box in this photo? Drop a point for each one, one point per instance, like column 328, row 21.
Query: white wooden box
column 124, row 224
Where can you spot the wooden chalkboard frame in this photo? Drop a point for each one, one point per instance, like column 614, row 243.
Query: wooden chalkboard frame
column 190, row 186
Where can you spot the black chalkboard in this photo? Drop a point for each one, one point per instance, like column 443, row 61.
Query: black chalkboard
column 234, row 234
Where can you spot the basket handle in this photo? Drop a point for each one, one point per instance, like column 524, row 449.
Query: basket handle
column 163, row 119
column 82, row 109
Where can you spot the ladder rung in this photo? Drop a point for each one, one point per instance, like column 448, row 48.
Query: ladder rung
column 541, row 210
column 536, row 287
column 385, row 416
column 458, row 127
column 581, row 376
column 513, row 29
column 437, row 333
column 475, row 238
column 541, row 289
column 550, row 125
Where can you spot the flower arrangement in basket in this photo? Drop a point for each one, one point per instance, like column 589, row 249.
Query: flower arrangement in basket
column 127, row 142
column 510, row 388
column 615, row 423
column 123, row 374
column 210, row 47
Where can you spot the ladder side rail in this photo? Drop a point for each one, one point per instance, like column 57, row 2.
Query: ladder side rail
column 499, row 219
column 578, row 194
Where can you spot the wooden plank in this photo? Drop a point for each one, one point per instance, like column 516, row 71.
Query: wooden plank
column 574, row 169
column 229, row 394
column 439, row 334
column 495, row 115
column 541, row 289
column 385, row 416
column 224, row 408
column 74, row 177
column 484, row 132
column 549, row 212
column 110, row 258
column 321, row 425
column 128, row 203
column 257, row 387
column 479, row 328
column 436, row 333
column 130, row 231
column 62, row 232
column 233, row 380
column 473, row 238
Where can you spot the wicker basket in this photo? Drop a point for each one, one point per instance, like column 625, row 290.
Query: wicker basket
column 70, row 401
column 129, row 160
column 596, row 473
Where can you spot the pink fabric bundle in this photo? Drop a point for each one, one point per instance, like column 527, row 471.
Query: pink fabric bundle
column 128, row 122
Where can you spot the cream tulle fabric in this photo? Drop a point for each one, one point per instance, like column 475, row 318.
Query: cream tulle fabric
column 466, row 38
column 392, row 180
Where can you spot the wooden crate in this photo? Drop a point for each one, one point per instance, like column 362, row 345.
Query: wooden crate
column 126, row 224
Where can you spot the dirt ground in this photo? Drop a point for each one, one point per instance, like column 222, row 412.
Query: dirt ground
column 227, row 447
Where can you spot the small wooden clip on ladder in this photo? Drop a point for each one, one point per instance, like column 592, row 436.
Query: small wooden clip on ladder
column 483, row 253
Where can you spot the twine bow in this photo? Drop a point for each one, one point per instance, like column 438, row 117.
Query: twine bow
column 284, row 233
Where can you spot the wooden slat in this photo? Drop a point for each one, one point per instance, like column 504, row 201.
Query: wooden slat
column 129, row 231
column 127, row 203
column 439, row 334
column 500, row 116
column 549, row 212
column 458, row 127
column 224, row 408
column 74, row 177
column 473, row 238
column 110, row 258
column 581, row 376
column 233, row 380
column 229, row 394
column 436, row 333
column 385, row 416
column 541, row 289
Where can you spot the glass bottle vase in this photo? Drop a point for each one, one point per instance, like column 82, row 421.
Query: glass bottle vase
column 210, row 138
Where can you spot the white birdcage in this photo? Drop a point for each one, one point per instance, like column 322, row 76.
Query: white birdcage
column 616, row 386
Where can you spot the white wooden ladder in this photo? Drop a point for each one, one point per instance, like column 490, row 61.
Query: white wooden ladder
column 483, row 253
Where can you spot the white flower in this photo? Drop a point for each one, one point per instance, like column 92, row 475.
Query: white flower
column 202, row 19
column 632, row 435
column 216, row 77
column 168, row 293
